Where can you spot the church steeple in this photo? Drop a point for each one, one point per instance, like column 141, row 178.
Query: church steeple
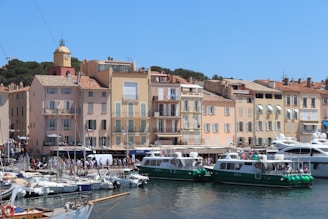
column 62, row 61
column 62, row 55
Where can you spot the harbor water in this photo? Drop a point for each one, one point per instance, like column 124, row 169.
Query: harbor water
column 173, row 199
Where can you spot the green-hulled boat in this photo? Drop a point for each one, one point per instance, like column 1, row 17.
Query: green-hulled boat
column 174, row 167
column 277, row 172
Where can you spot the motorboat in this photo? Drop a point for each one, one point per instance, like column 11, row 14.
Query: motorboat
column 174, row 166
column 259, row 171
column 127, row 178
column 315, row 156
column 319, row 138
column 282, row 141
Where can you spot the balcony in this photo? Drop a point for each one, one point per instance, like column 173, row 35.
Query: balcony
column 130, row 98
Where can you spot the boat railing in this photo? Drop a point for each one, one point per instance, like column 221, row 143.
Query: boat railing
column 59, row 200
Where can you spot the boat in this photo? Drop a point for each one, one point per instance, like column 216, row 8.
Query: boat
column 315, row 156
column 6, row 189
column 282, row 141
column 174, row 167
column 78, row 206
column 127, row 178
column 319, row 138
column 259, row 171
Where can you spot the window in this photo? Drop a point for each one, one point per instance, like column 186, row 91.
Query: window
column 259, row 126
column 130, row 91
column 143, row 140
column 66, row 124
column 186, row 121
column 66, row 90
column 227, row 111
column 268, row 96
column 67, row 105
column 143, row 109
column 143, row 126
column 240, row 112
column 130, row 110
column 52, row 124
column 211, row 110
column 118, row 125
column 207, row 127
column 196, row 105
column 240, row 126
column 117, row 109
column 90, row 94
column 288, row 114
column 216, row 127
column 103, row 94
column 278, row 126
column 131, row 126
column 118, row 140
column 204, row 110
column 186, row 106
column 91, row 124
column 103, row 124
column 104, row 108
column 288, row 102
column 52, row 105
column 313, row 102
column 269, row 126
column 103, row 141
column 227, row 127
column 249, row 126
column 278, row 109
column 90, row 107
column 259, row 109
column 295, row 102
column 269, row 109
column 51, row 90
column 324, row 100
column 295, row 114
column 304, row 102
column 249, row 100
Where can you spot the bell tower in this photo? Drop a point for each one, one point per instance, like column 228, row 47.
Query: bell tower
column 62, row 61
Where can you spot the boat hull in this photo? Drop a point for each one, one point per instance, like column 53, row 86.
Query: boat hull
column 176, row 174
column 264, row 180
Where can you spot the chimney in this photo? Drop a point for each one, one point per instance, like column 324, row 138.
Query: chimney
column 272, row 84
column 286, row 81
column 308, row 82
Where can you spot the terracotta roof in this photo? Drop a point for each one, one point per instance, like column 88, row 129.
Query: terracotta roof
column 62, row 81
column 293, row 86
column 90, row 83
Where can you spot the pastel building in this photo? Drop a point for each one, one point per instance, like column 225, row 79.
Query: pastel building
column 217, row 120
column 165, row 110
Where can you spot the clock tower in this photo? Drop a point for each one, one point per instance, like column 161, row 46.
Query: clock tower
column 62, row 61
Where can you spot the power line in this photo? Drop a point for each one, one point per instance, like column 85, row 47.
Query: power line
column 44, row 21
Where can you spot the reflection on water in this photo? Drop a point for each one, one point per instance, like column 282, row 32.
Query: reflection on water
column 171, row 199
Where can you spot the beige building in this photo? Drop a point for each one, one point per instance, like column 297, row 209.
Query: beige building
column 217, row 120
column 191, row 114
column 5, row 123
column 258, row 115
column 165, row 110
column 18, row 110
column 130, row 102
column 301, row 107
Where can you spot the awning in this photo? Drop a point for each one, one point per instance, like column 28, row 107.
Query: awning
column 296, row 110
column 308, row 123
column 169, row 135
column 260, row 107
column 279, row 108
column 53, row 136
column 270, row 107
column 325, row 122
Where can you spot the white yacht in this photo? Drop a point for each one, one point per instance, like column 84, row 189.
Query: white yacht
column 313, row 156
column 319, row 138
column 282, row 141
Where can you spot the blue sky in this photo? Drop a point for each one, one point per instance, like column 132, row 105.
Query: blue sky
column 242, row 39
